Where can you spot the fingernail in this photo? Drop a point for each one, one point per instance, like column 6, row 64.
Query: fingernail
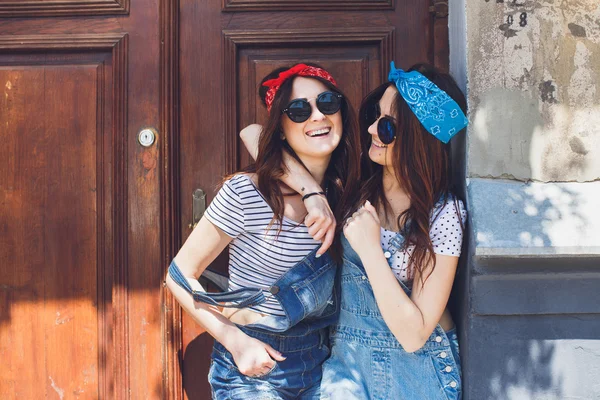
column 367, row 203
column 317, row 256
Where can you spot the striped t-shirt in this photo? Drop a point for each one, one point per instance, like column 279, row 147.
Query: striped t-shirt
column 257, row 256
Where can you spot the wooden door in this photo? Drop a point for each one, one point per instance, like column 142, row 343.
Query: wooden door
column 227, row 46
column 83, row 226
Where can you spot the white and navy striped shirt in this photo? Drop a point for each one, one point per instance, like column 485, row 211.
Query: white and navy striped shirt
column 257, row 256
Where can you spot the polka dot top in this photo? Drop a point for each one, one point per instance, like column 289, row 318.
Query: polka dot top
column 446, row 237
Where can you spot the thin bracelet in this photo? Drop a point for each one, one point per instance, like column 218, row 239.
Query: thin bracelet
column 307, row 195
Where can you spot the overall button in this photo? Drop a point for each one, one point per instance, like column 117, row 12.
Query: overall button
column 438, row 339
column 443, row 354
column 387, row 254
column 453, row 384
column 364, row 278
column 448, row 369
column 274, row 289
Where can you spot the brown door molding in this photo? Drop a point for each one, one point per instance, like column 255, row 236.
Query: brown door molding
column 37, row 8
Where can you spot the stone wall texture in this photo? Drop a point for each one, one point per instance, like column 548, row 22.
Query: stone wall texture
column 533, row 80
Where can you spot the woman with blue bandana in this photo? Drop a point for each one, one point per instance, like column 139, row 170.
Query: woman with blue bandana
column 395, row 338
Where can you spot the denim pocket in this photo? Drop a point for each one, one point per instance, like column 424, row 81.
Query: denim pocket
column 316, row 294
column 227, row 361
column 357, row 293
column 453, row 339
column 221, row 357
column 263, row 376
column 447, row 372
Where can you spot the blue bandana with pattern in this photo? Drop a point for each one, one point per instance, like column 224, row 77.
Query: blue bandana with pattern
column 439, row 114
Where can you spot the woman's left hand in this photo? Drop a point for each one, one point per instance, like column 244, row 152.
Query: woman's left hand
column 363, row 230
column 320, row 221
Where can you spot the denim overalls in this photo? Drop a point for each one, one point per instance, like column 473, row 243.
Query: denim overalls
column 308, row 296
column 368, row 362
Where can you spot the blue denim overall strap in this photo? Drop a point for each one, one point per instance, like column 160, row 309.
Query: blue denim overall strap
column 308, row 296
column 240, row 298
column 395, row 244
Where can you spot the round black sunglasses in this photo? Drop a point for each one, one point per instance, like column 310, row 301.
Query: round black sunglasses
column 299, row 110
column 386, row 128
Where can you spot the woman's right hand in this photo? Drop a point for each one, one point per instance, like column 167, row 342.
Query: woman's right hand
column 254, row 358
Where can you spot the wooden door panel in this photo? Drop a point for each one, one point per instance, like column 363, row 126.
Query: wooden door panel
column 356, row 65
column 93, row 318
column 82, row 263
column 61, row 248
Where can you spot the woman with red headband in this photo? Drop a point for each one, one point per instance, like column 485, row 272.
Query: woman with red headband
column 271, row 326
column 395, row 338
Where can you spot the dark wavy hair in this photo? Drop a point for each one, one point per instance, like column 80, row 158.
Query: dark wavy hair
column 422, row 165
column 342, row 177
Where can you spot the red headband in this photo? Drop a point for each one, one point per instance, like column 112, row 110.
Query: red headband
column 298, row 69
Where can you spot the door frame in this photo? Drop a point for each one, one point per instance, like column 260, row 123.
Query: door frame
column 169, row 157
column 170, row 210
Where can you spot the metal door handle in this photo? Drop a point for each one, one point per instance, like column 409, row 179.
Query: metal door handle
column 198, row 207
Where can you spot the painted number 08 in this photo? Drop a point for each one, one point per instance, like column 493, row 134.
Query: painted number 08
column 522, row 19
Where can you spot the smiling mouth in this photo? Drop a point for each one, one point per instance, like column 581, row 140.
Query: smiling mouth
column 318, row 132
column 379, row 145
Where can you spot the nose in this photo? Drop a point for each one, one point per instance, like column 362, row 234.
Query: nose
column 373, row 127
column 316, row 115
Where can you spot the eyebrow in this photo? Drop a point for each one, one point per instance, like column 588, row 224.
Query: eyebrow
column 306, row 98
column 387, row 115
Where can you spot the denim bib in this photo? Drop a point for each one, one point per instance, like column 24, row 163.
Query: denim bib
column 368, row 362
column 306, row 292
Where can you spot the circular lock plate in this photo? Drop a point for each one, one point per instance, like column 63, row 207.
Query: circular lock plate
column 146, row 137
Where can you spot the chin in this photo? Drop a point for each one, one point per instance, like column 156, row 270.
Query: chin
column 375, row 157
column 323, row 152
column 327, row 147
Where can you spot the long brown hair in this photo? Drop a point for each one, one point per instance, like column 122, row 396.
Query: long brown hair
column 342, row 176
column 422, row 165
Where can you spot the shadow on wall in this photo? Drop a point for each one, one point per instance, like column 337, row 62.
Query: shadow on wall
column 534, row 354
column 508, row 140
column 529, row 347
column 195, row 365
column 523, row 370
column 535, row 357
column 549, row 216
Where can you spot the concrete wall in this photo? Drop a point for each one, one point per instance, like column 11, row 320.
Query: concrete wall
column 534, row 89
column 527, row 296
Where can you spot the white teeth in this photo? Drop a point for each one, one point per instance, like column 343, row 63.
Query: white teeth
column 381, row 146
column 319, row 132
